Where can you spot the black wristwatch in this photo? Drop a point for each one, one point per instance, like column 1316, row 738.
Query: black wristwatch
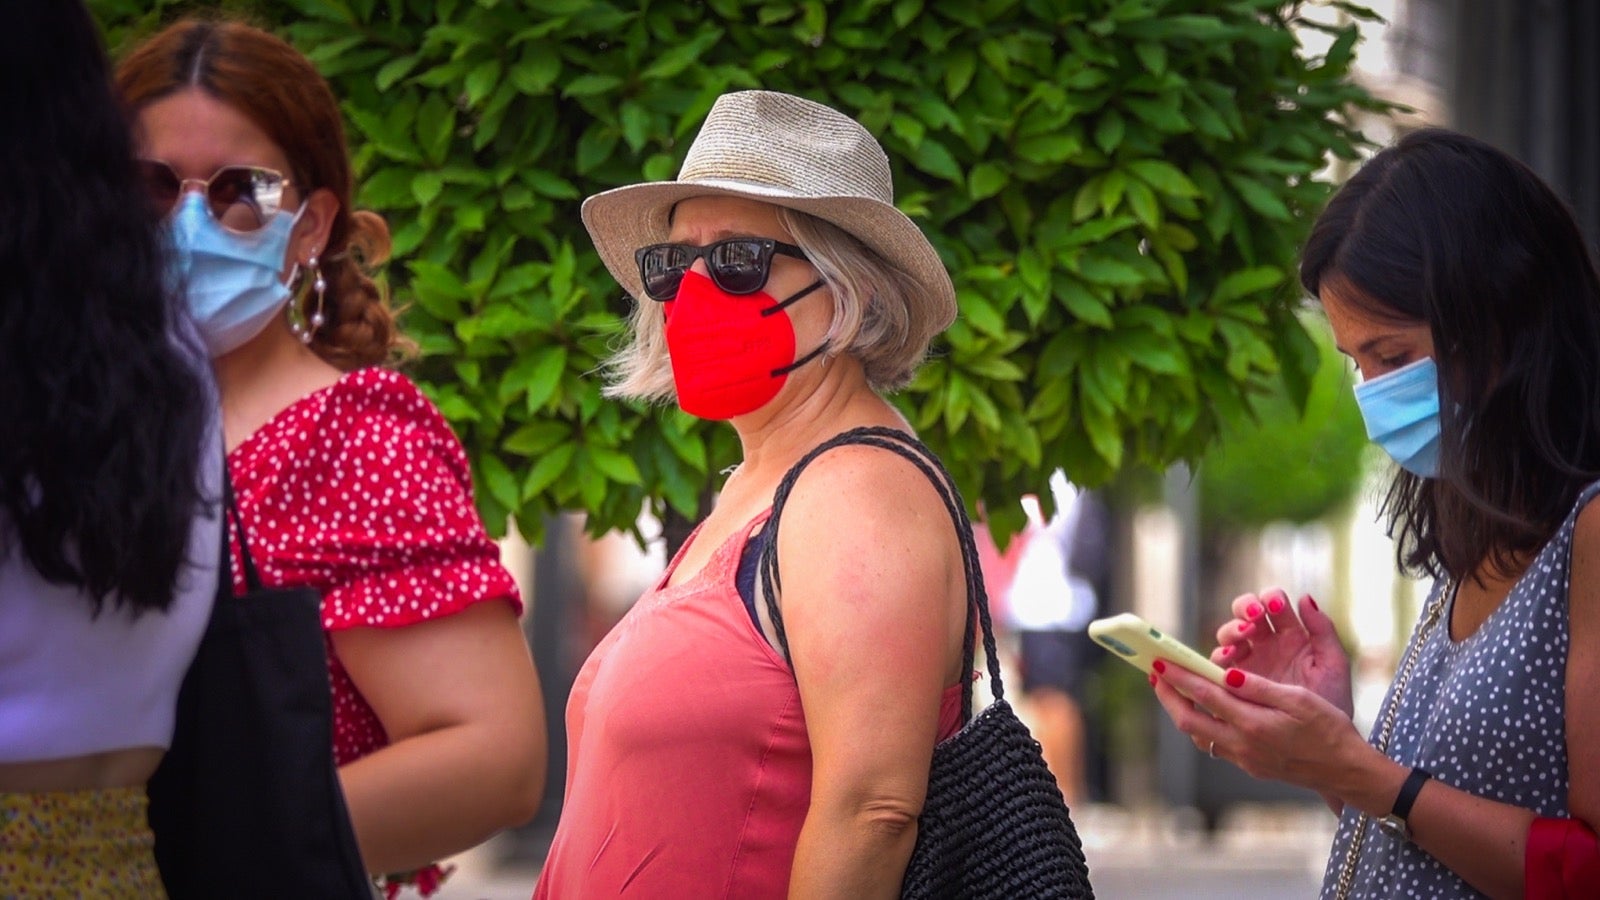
column 1395, row 822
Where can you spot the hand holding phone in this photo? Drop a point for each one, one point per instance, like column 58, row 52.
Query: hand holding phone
column 1140, row 644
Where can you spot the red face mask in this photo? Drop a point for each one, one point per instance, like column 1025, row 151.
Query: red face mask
column 730, row 354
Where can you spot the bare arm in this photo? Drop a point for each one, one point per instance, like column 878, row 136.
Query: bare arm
column 460, row 701
column 1583, row 671
column 873, row 602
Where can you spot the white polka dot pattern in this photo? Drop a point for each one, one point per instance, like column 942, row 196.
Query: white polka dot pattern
column 1485, row 715
column 362, row 491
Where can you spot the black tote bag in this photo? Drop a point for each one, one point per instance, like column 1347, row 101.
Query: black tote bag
column 994, row 825
column 247, row 802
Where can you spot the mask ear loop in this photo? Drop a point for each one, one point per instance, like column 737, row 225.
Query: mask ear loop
column 814, row 286
column 784, row 370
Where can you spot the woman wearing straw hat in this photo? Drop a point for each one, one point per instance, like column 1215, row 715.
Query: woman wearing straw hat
column 777, row 289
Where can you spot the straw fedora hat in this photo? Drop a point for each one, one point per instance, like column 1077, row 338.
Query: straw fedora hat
column 789, row 152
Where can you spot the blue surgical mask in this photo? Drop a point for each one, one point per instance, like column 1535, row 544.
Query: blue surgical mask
column 1401, row 409
column 230, row 278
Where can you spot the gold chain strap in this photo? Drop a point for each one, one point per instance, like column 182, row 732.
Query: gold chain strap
column 1347, row 874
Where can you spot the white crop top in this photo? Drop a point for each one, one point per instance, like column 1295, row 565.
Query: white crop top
column 72, row 683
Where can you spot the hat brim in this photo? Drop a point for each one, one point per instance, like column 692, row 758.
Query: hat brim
column 624, row 219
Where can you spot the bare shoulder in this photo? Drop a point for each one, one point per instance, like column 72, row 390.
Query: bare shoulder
column 871, row 572
column 1585, row 574
column 1583, row 667
column 1583, row 599
column 855, row 488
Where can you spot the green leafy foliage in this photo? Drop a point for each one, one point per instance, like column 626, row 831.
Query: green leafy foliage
column 1293, row 462
column 1117, row 186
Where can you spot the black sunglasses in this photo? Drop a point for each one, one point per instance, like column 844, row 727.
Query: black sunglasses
column 737, row 265
column 242, row 198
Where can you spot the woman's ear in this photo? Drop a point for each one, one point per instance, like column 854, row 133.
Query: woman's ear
column 310, row 235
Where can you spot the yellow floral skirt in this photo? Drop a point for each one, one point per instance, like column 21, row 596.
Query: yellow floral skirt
column 77, row 844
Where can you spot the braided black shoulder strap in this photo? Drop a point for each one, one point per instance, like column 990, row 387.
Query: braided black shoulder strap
column 919, row 455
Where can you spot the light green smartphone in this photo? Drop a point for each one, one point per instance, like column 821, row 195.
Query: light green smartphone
column 1139, row 643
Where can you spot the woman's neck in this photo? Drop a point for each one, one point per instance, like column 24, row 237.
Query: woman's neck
column 838, row 398
column 265, row 375
column 1481, row 593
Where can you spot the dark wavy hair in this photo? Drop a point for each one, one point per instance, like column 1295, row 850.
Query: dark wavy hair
column 1445, row 229
column 104, row 410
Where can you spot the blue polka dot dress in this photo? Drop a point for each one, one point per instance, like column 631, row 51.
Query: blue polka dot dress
column 1486, row 715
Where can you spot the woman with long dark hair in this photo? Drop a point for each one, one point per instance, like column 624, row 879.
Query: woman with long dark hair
column 109, row 473
column 1463, row 289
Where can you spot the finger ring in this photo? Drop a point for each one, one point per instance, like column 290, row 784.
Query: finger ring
column 1211, row 751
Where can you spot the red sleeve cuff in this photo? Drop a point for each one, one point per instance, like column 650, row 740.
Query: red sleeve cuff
column 1562, row 861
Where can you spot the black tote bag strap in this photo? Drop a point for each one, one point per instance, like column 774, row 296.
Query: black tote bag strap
column 914, row 452
column 252, row 576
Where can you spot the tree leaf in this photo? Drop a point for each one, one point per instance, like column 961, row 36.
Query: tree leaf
column 482, row 80
column 435, row 124
column 1246, row 282
column 1163, row 176
column 1109, row 130
column 1152, row 55
column 545, row 377
column 547, row 468
column 425, row 187
column 1259, row 197
column 986, row 180
column 615, row 465
column 493, row 475
column 535, row 74
column 394, row 70
column 1082, row 303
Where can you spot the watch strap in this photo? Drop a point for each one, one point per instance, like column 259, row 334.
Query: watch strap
column 1409, row 791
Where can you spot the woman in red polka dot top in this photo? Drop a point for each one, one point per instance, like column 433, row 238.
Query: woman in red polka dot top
column 348, row 478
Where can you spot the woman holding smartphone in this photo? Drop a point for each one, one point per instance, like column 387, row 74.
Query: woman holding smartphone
column 1462, row 288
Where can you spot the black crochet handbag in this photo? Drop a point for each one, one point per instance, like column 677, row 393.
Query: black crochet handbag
column 994, row 825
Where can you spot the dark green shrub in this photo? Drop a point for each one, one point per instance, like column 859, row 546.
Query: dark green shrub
column 1118, row 187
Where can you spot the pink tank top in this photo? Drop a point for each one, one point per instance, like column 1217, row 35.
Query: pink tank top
column 689, row 771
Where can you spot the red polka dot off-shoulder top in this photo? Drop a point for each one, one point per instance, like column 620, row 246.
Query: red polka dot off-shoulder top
column 362, row 491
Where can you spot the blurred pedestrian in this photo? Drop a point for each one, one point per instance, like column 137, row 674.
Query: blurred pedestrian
column 110, row 475
column 1463, row 289
column 1050, row 600
column 778, row 289
column 348, row 479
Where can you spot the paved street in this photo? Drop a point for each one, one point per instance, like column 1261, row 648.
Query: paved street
column 1258, row 852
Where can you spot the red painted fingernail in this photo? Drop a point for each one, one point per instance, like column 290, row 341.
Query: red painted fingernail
column 1159, row 666
column 1313, row 603
column 1253, row 610
column 1245, row 628
column 1227, row 652
column 1274, row 606
column 1152, row 681
column 1235, row 678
